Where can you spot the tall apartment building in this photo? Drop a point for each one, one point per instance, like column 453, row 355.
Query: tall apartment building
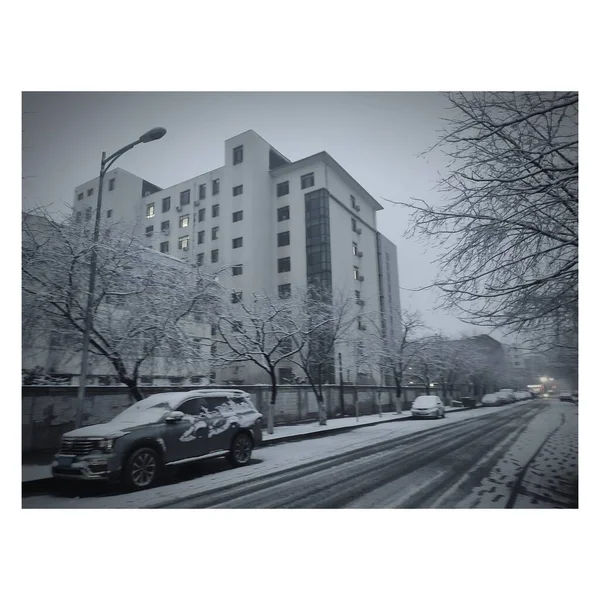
column 276, row 224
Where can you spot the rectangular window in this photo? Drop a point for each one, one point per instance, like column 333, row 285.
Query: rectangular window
column 202, row 191
column 352, row 201
column 165, row 226
column 111, row 184
column 214, row 256
column 238, row 216
column 184, row 242
column 354, row 249
column 283, row 213
column 283, row 239
column 285, row 290
column 201, row 215
column 90, row 192
column 355, row 272
column 80, row 196
column 237, row 269
column 200, row 259
column 215, row 210
column 88, row 213
column 201, row 237
column 238, row 155
column 214, row 233
column 283, row 188
column 307, row 180
column 286, row 375
column 238, row 242
column 357, row 294
column 184, row 198
column 238, row 190
column 184, row 221
column 109, row 213
column 284, row 265
column 215, row 187
column 353, row 224
column 213, row 329
column 236, row 297
column 166, row 204
column 149, row 230
column 164, row 247
column 150, row 210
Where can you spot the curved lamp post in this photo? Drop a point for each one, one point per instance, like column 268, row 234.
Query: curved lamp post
column 105, row 164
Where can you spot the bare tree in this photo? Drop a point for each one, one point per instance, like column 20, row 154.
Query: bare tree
column 259, row 331
column 324, row 325
column 145, row 303
column 508, row 225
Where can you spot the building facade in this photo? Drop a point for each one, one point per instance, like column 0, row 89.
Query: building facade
column 272, row 224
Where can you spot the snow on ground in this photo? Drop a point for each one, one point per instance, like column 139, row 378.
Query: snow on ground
column 273, row 459
column 495, row 489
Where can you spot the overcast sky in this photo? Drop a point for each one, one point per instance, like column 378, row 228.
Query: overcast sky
column 376, row 137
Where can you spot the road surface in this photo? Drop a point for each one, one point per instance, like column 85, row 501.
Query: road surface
column 484, row 458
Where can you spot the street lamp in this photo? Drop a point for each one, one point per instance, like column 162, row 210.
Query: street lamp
column 105, row 164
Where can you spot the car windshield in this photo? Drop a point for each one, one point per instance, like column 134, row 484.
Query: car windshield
column 149, row 410
column 425, row 402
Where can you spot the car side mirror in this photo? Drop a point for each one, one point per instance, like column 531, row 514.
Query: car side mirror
column 174, row 417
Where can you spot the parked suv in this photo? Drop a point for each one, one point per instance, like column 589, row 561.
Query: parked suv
column 162, row 430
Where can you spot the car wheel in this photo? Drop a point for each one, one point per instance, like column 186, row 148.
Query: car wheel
column 142, row 469
column 241, row 450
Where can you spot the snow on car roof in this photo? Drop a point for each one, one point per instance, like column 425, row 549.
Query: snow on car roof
column 174, row 398
column 428, row 397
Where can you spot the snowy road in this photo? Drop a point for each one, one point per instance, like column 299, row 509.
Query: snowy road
column 455, row 462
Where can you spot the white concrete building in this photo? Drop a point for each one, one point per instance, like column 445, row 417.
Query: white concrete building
column 275, row 225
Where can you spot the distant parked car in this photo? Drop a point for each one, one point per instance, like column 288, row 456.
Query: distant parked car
column 159, row 431
column 490, row 400
column 508, row 395
column 522, row 395
column 566, row 396
column 428, row 407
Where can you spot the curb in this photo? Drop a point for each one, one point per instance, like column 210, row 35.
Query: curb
column 36, row 486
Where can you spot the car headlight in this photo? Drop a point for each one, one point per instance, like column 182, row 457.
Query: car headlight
column 106, row 445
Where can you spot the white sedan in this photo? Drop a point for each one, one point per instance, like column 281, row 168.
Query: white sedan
column 428, row 407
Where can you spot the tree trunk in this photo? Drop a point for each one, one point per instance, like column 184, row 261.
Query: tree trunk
column 399, row 401
column 271, row 415
column 356, row 403
column 321, row 403
column 379, row 403
column 134, row 391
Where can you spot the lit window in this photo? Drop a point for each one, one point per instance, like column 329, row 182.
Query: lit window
column 184, row 242
column 238, row 216
column 283, row 188
column 238, row 190
column 238, row 242
column 307, row 180
column 184, row 221
column 354, row 249
column 238, row 155
column 150, row 210
column 355, row 272
column 184, row 198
